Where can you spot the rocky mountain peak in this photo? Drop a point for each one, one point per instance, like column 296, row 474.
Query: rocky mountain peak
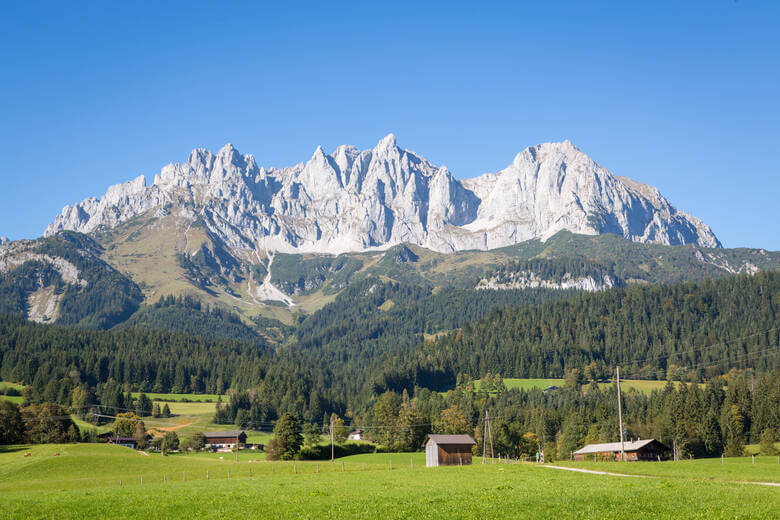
column 352, row 200
column 386, row 143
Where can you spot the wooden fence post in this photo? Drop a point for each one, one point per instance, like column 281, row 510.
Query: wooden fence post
column 342, row 467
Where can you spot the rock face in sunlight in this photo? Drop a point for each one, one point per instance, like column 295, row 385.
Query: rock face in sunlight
column 353, row 200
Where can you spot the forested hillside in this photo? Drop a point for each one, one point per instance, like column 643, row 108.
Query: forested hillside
column 71, row 282
column 189, row 315
column 693, row 329
column 371, row 341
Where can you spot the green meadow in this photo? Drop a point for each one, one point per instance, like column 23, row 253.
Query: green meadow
column 101, row 481
column 13, row 398
column 155, row 396
column 626, row 385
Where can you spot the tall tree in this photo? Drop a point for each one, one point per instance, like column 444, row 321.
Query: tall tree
column 287, row 440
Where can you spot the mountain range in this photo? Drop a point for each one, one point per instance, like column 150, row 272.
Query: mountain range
column 280, row 244
column 354, row 200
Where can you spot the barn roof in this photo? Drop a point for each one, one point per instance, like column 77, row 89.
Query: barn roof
column 451, row 439
column 229, row 433
column 614, row 446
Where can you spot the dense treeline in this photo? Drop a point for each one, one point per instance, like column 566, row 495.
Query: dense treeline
column 369, row 341
column 720, row 416
column 36, row 424
column 694, row 329
column 147, row 360
column 188, row 314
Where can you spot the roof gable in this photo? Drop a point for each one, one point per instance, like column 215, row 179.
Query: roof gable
column 450, row 439
column 229, row 433
column 615, row 446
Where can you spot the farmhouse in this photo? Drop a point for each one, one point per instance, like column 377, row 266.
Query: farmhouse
column 225, row 440
column 648, row 449
column 355, row 435
column 129, row 442
column 448, row 450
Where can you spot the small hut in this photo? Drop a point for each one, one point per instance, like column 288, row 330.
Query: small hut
column 448, row 450
column 648, row 449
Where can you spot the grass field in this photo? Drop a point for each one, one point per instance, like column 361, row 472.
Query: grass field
column 207, row 398
column 13, row 398
column 11, row 385
column 626, row 385
column 765, row 469
column 84, row 482
column 193, row 417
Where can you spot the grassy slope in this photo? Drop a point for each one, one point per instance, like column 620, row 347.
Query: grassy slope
column 625, row 385
column 145, row 248
column 190, row 418
column 211, row 398
column 83, row 482
column 13, row 398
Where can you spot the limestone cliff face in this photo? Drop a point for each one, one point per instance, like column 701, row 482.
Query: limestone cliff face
column 352, row 200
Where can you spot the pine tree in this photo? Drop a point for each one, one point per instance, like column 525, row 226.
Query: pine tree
column 287, row 440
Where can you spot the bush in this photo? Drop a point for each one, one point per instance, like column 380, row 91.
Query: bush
column 767, row 446
column 322, row 452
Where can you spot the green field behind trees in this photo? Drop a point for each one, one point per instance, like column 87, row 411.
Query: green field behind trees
column 83, row 481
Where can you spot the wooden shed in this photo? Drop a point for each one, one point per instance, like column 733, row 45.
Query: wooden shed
column 448, row 450
column 648, row 449
column 225, row 440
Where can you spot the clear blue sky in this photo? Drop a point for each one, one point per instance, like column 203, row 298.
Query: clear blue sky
column 681, row 95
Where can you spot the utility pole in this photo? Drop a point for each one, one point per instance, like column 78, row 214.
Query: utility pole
column 620, row 419
column 484, row 440
column 332, row 450
column 488, row 433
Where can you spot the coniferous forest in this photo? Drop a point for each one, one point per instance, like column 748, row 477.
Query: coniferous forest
column 367, row 358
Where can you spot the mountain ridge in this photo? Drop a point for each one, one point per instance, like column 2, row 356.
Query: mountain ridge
column 353, row 200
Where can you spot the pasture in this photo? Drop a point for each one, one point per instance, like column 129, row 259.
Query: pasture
column 206, row 398
column 13, row 398
column 626, row 385
column 84, row 482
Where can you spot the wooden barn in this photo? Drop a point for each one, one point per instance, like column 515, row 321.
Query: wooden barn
column 448, row 450
column 648, row 449
column 225, row 440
